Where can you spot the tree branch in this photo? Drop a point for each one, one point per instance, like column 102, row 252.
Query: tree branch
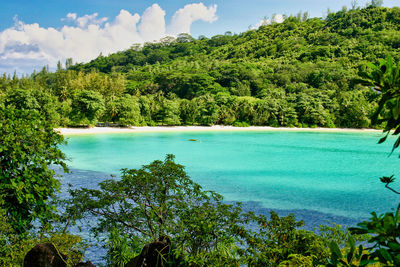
column 393, row 190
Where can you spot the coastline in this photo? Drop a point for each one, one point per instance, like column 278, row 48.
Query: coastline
column 215, row 128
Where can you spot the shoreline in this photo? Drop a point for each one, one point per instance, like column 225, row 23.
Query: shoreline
column 215, row 128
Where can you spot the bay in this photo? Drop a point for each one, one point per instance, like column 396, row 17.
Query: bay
column 328, row 172
column 321, row 177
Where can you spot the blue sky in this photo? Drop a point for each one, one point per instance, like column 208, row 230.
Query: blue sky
column 234, row 15
column 36, row 32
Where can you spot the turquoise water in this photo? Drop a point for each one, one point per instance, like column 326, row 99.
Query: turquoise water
column 333, row 174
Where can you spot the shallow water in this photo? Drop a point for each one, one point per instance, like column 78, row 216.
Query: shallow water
column 320, row 176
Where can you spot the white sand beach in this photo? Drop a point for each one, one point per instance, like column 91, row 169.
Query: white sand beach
column 106, row 130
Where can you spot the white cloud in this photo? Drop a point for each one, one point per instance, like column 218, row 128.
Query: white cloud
column 27, row 46
column 70, row 17
column 152, row 25
column 277, row 18
column 184, row 17
column 87, row 20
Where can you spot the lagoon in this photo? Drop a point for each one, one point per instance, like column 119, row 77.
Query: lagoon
column 319, row 176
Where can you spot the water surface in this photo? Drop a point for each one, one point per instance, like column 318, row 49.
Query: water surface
column 331, row 174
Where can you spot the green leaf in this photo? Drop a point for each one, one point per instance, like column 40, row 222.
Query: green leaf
column 365, row 262
column 383, row 139
column 394, row 246
column 372, row 66
column 396, row 144
column 359, row 231
column 335, row 251
column 350, row 254
column 397, row 131
column 396, row 109
column 384, row 255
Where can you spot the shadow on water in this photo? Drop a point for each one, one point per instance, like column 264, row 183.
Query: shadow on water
column 312, row 219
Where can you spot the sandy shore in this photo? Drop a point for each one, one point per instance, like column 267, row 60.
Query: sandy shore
column 105, row 130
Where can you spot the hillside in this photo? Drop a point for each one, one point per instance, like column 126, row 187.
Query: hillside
column 301, row 72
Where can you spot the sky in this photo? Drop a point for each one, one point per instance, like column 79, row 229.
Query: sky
column 35, row 33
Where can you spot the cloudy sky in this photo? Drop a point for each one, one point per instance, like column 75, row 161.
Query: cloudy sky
column 34, row 33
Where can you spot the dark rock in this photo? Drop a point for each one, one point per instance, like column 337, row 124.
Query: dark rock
column 45, row 255
column 85, row 264
column 153, row 255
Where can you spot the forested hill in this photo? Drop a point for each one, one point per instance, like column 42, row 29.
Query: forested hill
column 365, row 34
column 300, row 72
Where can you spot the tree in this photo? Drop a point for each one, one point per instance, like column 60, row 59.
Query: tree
column 35, row 99
column 156, row 200
column 353, row 4
column 279, row 238
column 208, row 110
column 129, row 113
column 68, row 63
column 376, row 3
column 28, row 146
column 87, row 107
column 22, row 99
column 169, row 112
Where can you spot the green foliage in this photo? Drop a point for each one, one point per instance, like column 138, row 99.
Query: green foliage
column 335, row 237
column 28, row 146
column 123, row 110
column 355, row 109
column 208, row 113
column 339, row 235
column 279, row 239
column 352, row 256
column 376, row 3
column 300, row 72
column 169, row 112
column 240, row 124
column 87, row 107
column 158, row 200
column 385, row 237
column 13, row 246
column 22, row 99
column 385, row 79
column 121, row 248
column 37, row 100
column 299, row 260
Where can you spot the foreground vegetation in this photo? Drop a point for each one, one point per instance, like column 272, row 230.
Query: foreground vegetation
column 307, row 76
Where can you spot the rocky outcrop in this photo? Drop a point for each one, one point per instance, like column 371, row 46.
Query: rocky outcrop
column 45, row 255
column 85, row 264
column 153, row 255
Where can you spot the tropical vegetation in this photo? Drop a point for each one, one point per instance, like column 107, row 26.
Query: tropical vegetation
column 302, row 72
